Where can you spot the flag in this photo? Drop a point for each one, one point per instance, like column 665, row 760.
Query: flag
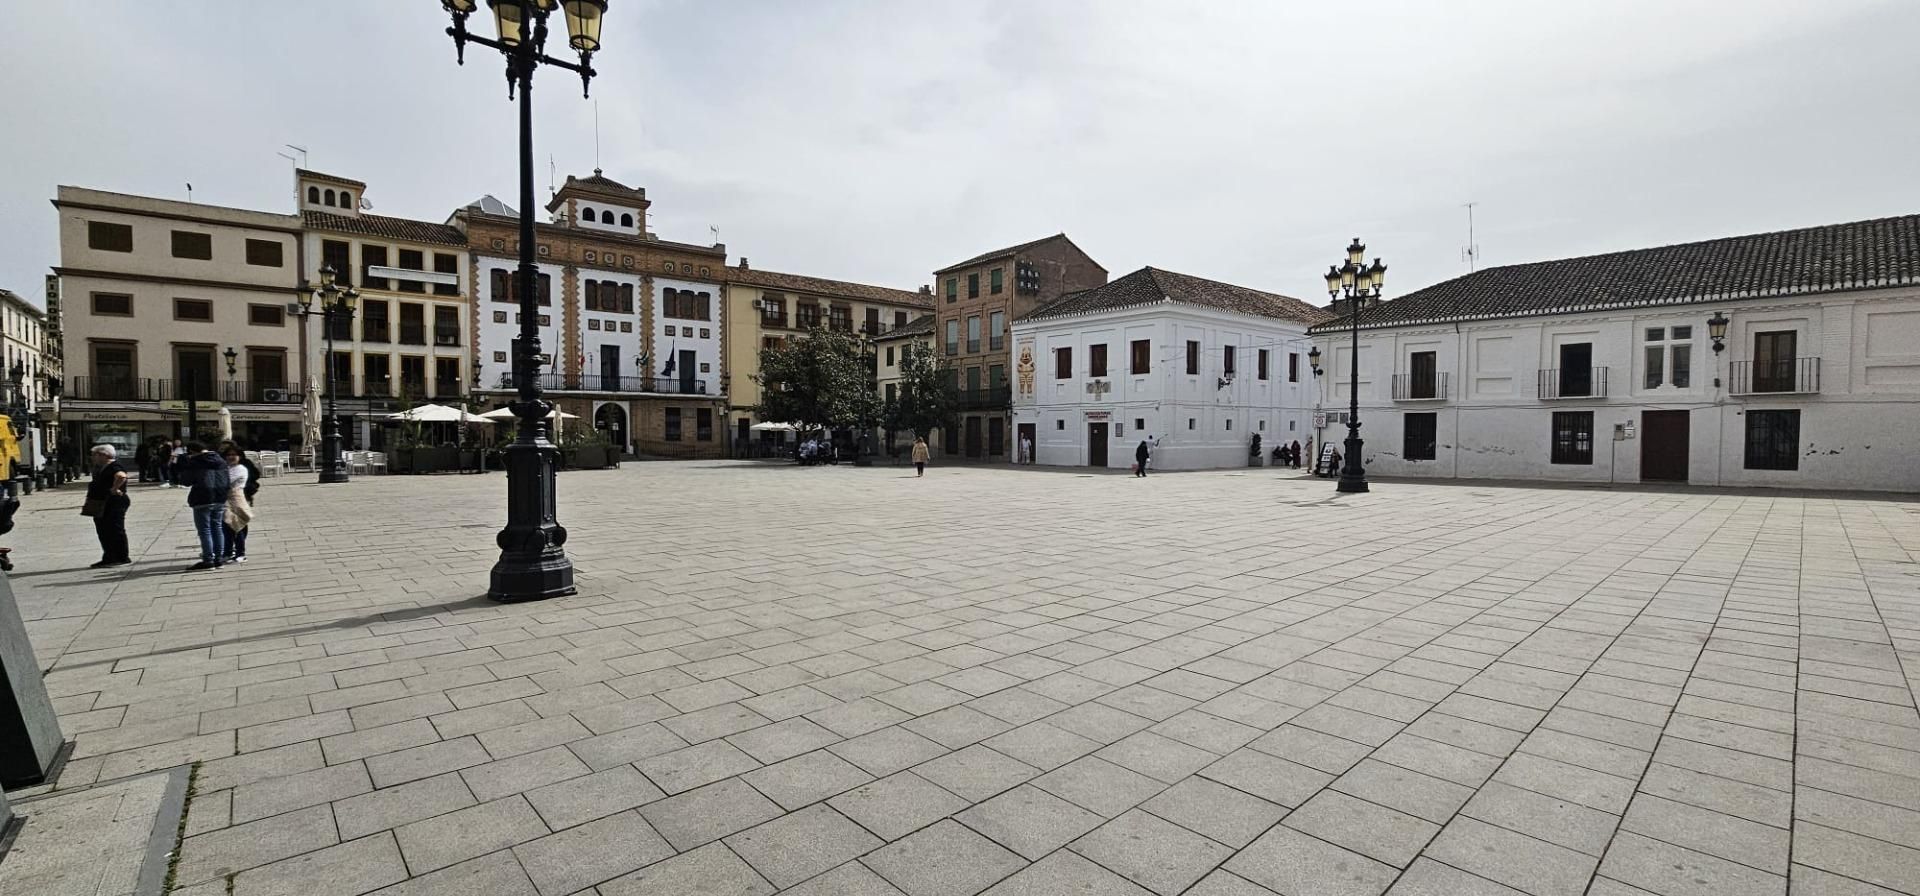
column 671, row 353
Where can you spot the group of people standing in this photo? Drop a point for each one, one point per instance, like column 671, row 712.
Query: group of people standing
column 220, row 489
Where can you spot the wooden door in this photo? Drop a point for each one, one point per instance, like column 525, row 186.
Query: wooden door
column 1096, row 444
column 1664, row 437
column 1773, row 361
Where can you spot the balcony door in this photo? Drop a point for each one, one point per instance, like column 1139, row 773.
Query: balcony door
column 1773, row 357
column 610, row 368
column 1425, row 377
column 688, row 359
column 265, row 370
column 1576, row 369
column 193, row 372
column 113, row 367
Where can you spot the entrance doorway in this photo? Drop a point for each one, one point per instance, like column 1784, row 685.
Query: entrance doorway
column 1664, row 445
column 1096, row 444
column 1027, row 439
column 973, row 436
column 611, row 419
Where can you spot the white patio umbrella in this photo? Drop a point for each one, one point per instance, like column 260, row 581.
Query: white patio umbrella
column 310, row 420
column 772, row 427
column 507, row 414
column 226, row 425
column 439, row 413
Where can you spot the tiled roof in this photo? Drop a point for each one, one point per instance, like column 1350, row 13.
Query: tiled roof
column 381, row 225
column 310, row 174
column 1150, row 285
column 1860, row 255
column 600, row 184
column 921, row 326
column 823, row 286
column 1002, row 253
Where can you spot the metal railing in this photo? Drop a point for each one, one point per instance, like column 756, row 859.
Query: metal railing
column 1788, row 376
column 1418, row 387
column 594, row 382
column 97, row 388
column 988, row 398
column 1573, row 382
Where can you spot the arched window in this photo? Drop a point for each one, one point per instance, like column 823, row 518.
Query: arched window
column 589, row 216
column 329, row 197
column 626, row 220
column 313, row 195
column 346, row 199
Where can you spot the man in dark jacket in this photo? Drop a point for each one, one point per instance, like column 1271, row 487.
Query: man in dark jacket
column 205, row 475
column 1141, row 456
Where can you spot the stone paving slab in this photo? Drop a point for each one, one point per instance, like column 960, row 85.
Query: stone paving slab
column 853, row 681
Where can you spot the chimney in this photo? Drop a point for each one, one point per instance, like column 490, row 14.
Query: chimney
column 743, row 263
column 926, row 290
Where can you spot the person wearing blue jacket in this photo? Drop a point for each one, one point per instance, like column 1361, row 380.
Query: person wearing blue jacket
column 205, row 475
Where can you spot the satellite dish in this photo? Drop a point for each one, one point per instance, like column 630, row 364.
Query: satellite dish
column 365, row 206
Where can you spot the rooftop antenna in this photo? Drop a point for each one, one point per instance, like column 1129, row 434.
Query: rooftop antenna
column 596, row 134
column 1470, row 253
column 299, row 149
column 189, row 192
column 716, row 233
column 551, row 174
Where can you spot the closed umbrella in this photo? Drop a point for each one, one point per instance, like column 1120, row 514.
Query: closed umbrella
column 310, row 420
column 226, row 425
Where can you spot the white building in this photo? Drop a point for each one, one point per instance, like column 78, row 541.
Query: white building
column 1786, row 359
column 1200, row 367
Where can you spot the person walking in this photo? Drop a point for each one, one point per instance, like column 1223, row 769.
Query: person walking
column 208, row 486
column 1141, row 455
column 107, row 503
column 920, row 455
column 1026, row 449
column 1296, row 454
column 176, row 459
column 244, row 482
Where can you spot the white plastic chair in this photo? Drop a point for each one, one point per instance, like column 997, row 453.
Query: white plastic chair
column 286, row 461
column 357, row 462
column 377, row 462
column 269, row 463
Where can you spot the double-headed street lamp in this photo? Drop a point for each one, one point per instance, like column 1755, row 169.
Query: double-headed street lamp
column 533, row 560
column 1362, row 285
column 336, row 302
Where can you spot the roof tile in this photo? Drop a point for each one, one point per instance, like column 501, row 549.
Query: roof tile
column 393, row 228
column 1151, row 285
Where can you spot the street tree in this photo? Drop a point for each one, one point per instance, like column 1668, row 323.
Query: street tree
column 823, row 380
column 929, row 395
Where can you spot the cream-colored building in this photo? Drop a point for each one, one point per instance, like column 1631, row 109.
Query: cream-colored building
column 165, row 301
column 23, row 344
column 890, row 351
column 766, row 308
column 407, row 340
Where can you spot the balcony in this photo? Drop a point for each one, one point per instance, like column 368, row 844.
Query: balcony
column 413, row 334
column 96, row 388
column 973, row 346
column 1792, row 376
column 991, row 398
column 1573, row 382
column 774, row 321
column 590, row 382
column 1420, row 387
column 375, row 331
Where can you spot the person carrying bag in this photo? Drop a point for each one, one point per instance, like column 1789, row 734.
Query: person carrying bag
column 107, row 504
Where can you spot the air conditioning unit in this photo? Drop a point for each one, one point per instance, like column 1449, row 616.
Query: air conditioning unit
column 273, row 395
column 446, row 340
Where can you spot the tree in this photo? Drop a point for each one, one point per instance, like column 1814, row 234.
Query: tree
column 824, row 380
column 929, row 395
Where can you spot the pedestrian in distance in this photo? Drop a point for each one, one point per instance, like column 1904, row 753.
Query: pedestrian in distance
column 244, row 482
column 920, row 455
column 1142, row 455
column 1296, row 454
column 107, row 503
column 208, row 485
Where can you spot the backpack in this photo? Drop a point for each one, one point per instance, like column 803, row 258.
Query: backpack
column 253, row 478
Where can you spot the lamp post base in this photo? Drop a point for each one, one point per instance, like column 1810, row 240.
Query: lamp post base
column 335, row 471
column 333, row 463
column 533, row 562
column 1353, row 476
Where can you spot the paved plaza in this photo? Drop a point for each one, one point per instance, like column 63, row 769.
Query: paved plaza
column 1017, row 682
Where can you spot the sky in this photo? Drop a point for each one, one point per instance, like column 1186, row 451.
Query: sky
column 1241, row 140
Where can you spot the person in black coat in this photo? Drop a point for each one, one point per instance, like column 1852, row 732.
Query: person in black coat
column 1140, row 457
column 109, row 489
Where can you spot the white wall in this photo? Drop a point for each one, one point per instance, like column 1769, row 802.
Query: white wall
column 1197, row 422
column 597, row 332
column 703, row 337
column 496, row 336
column 1494, row 424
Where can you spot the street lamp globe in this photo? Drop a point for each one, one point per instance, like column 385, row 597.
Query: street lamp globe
column 459, row 7
column 326, row 276
column 1333, row 281
column 507, row 19
column 1377, row 275
column 583, row 23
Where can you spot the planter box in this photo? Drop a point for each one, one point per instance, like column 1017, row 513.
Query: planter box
column 423, row 460
column 589, row 457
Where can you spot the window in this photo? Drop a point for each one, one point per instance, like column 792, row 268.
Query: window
column 1226, row 361
column 1263, row 372
column 266, row 315
column 995, row 280
column 412, row 260
column 543, row 289
column 1229, row 425
column 626, row 326
column 1773, row 440
column 329, row 199
column 192, row 309
column 973, row 286
column 1060, row 424
column 973, row 381
column 1423, row 378
column 953, row 336
column 1420, row 436
column 1293, row 367
column 1142, row 361
column 1193, row 358
column 109, row 237
column 1097, row 360
column 872, row 324
column 703, row 424
column 997, row 330
column 889, row 356
column 893, row 392
column 899, row 319
column 626, row 298
column 589, row 216
column 313, row 195
column 1573, row 437
column 626, row 220
column 973, row 334
column 446, row 376
column 378, row 373
column 446, row 263
column 1669, row 357
column 590, row 295
column 374, row 325
column 413, row 324
column 1139, row 424
column 1063, row 363
column 1189, row 422
column 342, row 372
column 413, row 375
column 264, row 253
column 1576, row 369
column 346, row 199
column 446, row 325
column 337, row 254
column 673, row 424
column 500, row 285
column 807, row 315
column 371, row 257
column 839, row 319
column 187, row 244
column 112, row 304
column 1774, row 353
column 773, row 311
column 996, row 376
column 953, row 289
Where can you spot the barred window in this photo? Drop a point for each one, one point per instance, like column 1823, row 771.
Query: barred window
column 1573, row 437
column 1773, row 440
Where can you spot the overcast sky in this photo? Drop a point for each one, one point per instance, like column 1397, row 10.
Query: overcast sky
column 877, row 141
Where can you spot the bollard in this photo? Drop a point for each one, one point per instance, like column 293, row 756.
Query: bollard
column 30, row 739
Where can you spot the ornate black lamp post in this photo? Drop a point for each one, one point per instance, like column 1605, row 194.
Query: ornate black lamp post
column 1362, row 285
column 335, row 302
column 533, row 560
